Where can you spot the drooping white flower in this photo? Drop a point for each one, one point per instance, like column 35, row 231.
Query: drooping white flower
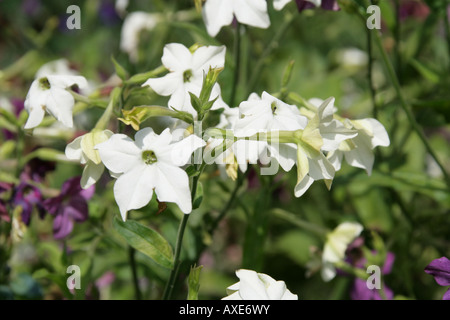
column 186, row 70
column 56, row 67
column 133, row 25
column 258, row 286
column 220, row 13
column 336, row 245
column 82, row 149
column 49, row 94
column 265, row 114
column 150, row 162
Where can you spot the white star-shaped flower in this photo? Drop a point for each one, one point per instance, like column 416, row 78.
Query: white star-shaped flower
column 336, row 245
column 49, row 94
column 258, row 286
column 150, row 162
column 186, row 70
column 220, row 13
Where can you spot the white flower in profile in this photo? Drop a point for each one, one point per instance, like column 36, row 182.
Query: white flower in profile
column 56, row 67
column 220, row 13
column 265, row 114
column 335, row 246
column 49, row 94
column 258, row 286
column 133, row 25
column 186, row 70
column 150, row 162
column 81, row 149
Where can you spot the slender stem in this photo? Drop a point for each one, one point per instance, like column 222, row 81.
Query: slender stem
column 256, row 74
column 397, row 35
column 132, row 260
column 173, row 274
column 370, row 75
column 447, row 29
column 314, row 228
column 406, row 107
column 237, row 63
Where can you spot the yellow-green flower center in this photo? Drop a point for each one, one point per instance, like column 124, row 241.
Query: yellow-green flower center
column 274, row 107
column 187, row 75
column 149, row 157
column 44, row 84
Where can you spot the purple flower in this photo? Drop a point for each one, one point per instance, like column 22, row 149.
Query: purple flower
column 71, row 205
column 360, row 291
column 36, row 169
column 28, row 197
column 107, row 13
column 326, row 5
column 440, row 270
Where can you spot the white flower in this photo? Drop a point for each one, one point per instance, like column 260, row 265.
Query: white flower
column 56, row 67
column 49, row 94
column 185, row 75
column 264, row 114
column 150, row 162
column 82, row 149
column 133, row 24
column 359, row 151
column 336, row 245
column 219, row 13
column 258, row 286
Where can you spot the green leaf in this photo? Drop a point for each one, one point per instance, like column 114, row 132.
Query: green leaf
column 194, row 283
column 120, row 71
column 146, row 240
column 426, row 72
column 198, row 196
column 195, row 101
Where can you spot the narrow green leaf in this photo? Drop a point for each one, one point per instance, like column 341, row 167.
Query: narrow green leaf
column 146, row 240
column 120, row 71
column 198, row 196
column 194, row 282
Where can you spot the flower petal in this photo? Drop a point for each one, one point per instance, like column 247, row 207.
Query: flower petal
column 91, row 173
column 440, row 270
column 166, row 85
column 173, row 186
column 252, row 12
column 119, row 153
column 176, row 57
column 216, row 14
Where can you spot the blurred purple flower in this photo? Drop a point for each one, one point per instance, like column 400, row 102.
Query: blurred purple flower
column 31, row 7
column 28, row 197
column 440, row 270
column 36, row 169
column 326, row 5
column 71, row 205
column 413, row 9
column 107, row 13
column 360, row 291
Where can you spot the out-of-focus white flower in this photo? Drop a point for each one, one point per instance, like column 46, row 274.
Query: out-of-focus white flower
column 121, row 7
column 336, row 245
column 352, row 58
column 82, row 149
column 258, row 286
column 186, row 70
column 220, row 13
column 265, row 114
column 150, row 162
column 134, row 23
column 50, row 94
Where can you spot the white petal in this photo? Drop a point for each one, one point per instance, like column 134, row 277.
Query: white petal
column 285, row 154
column 362, row 156
column 279, row 4
column 251, row 287
column 328, row 271
column 321, row 168
column 176, row 57
column 303, row 186
column 252, row 12
column 172, row 185
column 91, row 173
column 216, row 14
column 119, row 153
column 66, row 81
column 339, row 239
column 134, row 189
column 60, row 104
column 73, row 150
column 335, row 158
column 380, row 135
column 333, row 133
column 208, row 57
column 180, row 152
column 165, row 85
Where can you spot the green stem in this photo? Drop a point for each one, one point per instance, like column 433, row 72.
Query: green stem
column 292, row 218
column 237, row 63
column 406, row 107
column 370, row 75
column 182, row 227
column 132, row 260
column 270, row 47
